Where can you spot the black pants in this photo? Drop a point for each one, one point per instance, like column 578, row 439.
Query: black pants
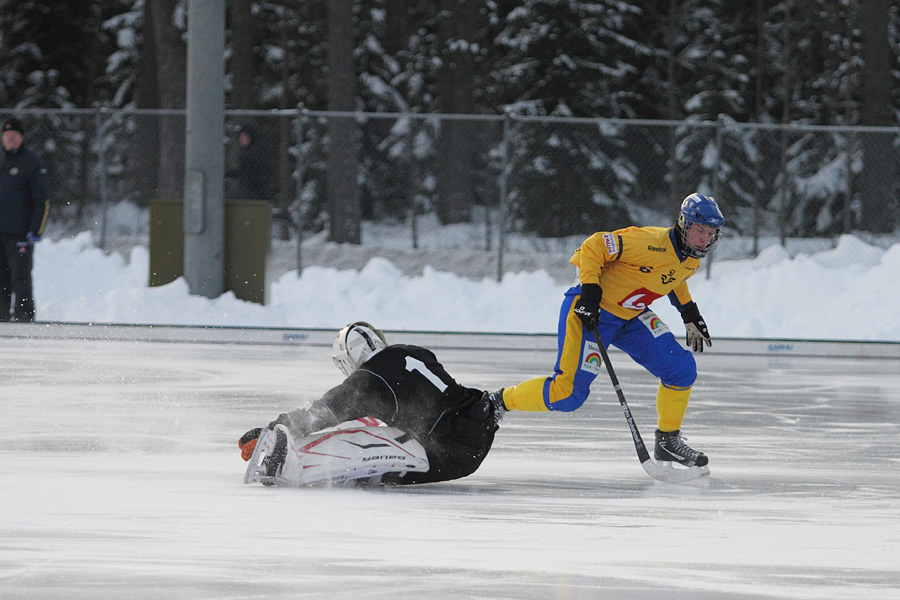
column 457, row 447
column 16, row 261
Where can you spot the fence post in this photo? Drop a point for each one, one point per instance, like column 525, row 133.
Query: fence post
column 299, row 189
column 848, row 182
column 782, row 205
column 757, row 170
column 412, row 179
column 504, row 175
column 720, row 126
column 101, row 165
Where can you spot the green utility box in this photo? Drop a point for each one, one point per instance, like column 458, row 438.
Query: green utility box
column 248, row 234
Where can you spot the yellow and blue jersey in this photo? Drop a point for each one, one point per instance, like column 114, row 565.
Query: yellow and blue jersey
column 635, row 266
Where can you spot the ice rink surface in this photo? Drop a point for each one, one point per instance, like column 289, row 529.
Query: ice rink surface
column 121, row 478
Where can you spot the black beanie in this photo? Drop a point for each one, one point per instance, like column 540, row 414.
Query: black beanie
column 13, row 124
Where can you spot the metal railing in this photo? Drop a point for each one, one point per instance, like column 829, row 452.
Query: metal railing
column 550, row 176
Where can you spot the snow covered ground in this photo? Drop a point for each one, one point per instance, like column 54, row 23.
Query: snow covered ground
column 121, row 477
column 848, row 292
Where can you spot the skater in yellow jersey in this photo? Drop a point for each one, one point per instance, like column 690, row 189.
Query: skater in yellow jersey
column 621, row 273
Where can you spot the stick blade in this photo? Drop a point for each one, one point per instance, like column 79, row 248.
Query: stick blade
column 672, row 475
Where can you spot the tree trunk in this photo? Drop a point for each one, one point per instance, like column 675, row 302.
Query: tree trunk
column 878, row 179
column 758, row 117
column 456, row 148
column 672, row 109
column 285, row 127
column 144, row 163
column 342, row 188
column 785, row 120
column 396, row 36
column 171, row 69
column 243, row 64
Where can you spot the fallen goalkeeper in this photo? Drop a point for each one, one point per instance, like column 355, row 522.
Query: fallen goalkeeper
column 398, row 418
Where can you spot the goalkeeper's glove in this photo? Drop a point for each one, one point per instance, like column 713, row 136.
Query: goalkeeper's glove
column 247, row 443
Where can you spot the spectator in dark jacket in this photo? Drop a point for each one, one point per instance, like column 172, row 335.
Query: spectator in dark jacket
column 254, row 170
column 24, row 206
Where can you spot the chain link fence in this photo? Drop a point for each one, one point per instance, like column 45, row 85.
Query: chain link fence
column 541, row 182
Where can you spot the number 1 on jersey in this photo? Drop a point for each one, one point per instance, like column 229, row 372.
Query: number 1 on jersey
column 413, row 364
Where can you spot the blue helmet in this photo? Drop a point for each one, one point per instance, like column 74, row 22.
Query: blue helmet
column 701, row 210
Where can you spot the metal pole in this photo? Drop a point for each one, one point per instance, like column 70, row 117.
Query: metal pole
column 757, row 213
column 782, row 205
column 412, row 179
column 204, row 177
column 720, row 125
column 299, row 190
column 504, row 175
column 848, row 182
column 101, row 165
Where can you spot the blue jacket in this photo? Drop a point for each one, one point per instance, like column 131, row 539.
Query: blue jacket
column 24, row 192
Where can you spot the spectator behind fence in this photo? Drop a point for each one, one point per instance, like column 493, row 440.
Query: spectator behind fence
column 24, row 206
column 254, row 169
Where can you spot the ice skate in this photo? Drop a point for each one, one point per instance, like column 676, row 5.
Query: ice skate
column 268, row 458
column 670, row 447
column 499, row 408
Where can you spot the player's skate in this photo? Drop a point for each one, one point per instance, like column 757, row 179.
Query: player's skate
column 268, row 458
column 670, row 447
column 499, row 408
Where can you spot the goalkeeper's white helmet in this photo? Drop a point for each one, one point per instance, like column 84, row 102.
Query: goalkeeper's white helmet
column 355, row 344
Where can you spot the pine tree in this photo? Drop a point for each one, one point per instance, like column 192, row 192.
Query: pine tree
column 570, row 59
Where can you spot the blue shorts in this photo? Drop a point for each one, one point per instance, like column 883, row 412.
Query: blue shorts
column 645, row 338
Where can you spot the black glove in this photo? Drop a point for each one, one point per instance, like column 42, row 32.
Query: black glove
column 247, row 443
column 694, row 327
column 588, row 305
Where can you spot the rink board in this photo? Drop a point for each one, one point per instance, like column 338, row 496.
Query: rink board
column 430, row 339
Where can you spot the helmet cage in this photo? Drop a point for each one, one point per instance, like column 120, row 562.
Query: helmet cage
column 698, row 209
column 355, row 344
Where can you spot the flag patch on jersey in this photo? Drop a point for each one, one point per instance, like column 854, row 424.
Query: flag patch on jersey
column 654, row 323
column 591, row 361
column 612, row 246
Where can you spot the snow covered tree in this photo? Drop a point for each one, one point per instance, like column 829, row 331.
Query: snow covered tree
column 569, row 59
column 733, row 70
column 57, row 56
column 396, row 61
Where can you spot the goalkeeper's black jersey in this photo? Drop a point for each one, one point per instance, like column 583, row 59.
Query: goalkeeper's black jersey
column 404, row 386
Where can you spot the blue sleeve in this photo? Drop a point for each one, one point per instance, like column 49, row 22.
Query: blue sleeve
column 675, row 302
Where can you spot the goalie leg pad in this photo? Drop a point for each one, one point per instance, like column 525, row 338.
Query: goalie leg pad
column 362, row 449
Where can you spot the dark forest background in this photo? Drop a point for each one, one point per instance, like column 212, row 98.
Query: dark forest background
column 799, row 62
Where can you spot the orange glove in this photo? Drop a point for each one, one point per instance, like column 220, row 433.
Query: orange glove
column 247, row 443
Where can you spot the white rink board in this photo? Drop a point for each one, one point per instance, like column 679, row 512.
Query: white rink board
column 434, row 340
